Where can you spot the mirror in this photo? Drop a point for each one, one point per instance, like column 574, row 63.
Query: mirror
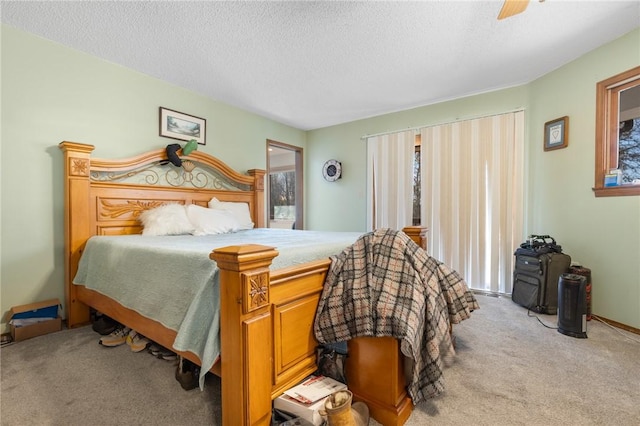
column 617, row 169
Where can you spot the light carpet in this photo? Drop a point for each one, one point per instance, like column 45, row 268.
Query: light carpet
column 509, row 370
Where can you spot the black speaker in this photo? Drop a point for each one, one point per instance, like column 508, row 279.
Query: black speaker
column 572, row 305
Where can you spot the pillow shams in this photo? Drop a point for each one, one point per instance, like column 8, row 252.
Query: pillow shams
column 210, row 221
column 168, row 219
column 239, row 210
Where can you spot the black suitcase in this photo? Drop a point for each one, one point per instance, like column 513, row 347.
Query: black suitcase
column 539, row 262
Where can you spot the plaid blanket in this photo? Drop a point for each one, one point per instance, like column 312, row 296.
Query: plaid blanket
column 387, row 285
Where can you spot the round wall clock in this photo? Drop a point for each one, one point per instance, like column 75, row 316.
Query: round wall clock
column 332, row 170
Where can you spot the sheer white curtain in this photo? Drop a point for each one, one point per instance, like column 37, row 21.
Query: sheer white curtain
column 472, row 196
column 390, row 180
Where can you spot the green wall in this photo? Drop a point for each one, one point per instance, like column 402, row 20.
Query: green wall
column 601, row 233
column 52, row 93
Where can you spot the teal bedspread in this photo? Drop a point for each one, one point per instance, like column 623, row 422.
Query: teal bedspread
column 172, row 280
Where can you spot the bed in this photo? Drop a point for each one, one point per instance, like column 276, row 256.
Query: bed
column 266, row 315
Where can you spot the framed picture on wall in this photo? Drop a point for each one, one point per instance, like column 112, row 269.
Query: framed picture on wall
column 556, row 133
column 184, row 127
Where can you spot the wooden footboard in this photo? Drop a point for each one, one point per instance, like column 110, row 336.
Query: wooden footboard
column 268, row 344
column 266, row 332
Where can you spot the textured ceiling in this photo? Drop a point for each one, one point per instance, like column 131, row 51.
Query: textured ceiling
column 315, row 64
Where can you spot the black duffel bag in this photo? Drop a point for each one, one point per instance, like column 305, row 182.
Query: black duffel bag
column 538, row 244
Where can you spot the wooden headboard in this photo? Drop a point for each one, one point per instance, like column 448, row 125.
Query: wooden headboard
column 106, row 197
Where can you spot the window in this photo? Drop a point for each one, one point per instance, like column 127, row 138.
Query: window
column 282, row 196
column 618, row 133
column 416, row 182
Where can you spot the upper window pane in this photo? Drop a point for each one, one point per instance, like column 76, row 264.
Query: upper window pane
column 629, row 151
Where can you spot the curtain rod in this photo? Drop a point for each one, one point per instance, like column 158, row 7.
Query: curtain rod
column 365, row 137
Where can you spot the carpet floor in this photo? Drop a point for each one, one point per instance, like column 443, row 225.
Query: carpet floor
column 509, row 370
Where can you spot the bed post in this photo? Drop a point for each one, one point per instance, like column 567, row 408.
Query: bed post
column 246, row 336
column 77, row 228
column 375, row 367
column 418, row 234
column 258, row 187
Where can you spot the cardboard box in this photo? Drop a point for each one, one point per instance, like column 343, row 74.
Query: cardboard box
column 34, row 319
column 309, row 411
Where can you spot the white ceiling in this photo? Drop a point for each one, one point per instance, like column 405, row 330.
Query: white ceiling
column 315, row 64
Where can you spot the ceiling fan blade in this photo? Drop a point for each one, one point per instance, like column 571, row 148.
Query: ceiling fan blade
column 512, row 7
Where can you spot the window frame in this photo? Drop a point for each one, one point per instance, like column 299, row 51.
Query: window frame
column 607, row 118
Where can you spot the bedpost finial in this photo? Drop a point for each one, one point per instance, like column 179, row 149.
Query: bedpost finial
column 75, row 146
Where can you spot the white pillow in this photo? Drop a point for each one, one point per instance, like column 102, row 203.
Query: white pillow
column 167, row 219
column 239, row 210
column 210, row 221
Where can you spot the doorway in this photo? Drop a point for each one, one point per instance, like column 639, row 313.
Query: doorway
column 284, row 186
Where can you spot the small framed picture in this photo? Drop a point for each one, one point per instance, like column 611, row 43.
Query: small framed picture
column 184, row 127
column 556, row 133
